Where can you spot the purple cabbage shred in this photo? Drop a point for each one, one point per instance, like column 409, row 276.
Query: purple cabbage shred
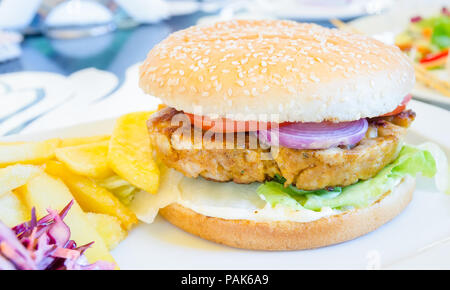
column 445, row 11
column 44, row 244
column 416, row 19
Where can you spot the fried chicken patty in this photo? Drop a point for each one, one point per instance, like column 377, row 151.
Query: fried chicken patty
column 239, row 157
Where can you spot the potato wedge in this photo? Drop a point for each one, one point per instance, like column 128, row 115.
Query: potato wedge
column 83, row 140
column 14, row 176
column 43, row 192
column 130, row 154
column 12, row 210
column 91, row 196
column 108, row 227
column 87, row 159
column 28, row 152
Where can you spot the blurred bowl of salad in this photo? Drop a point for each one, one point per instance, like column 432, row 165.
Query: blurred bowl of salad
column 420, row 28
column 427, row 39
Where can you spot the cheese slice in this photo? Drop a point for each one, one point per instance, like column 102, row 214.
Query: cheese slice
column 227, row 200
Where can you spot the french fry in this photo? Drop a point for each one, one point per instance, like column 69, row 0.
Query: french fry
column 43, row 192
column 83, row 140
column 108, row 227
column 28, row 152
column 87, row 159
column 12, row 210
column 14, row 176
column 430, row 80
column 91, row 196
column 130, row 154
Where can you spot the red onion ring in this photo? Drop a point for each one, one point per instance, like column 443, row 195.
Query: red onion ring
column 315, row 135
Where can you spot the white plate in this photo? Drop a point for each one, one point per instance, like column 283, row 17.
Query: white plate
column 398, row 244
column 386, row 26
column 321, row 9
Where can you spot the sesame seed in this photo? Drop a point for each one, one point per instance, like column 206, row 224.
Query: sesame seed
column 279, row 45
column 254, row 91
column 314, row 78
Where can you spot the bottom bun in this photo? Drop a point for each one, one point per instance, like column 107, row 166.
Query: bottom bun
column 286, row 235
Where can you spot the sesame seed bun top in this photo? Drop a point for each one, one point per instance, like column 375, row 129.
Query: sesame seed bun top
column 302, row 72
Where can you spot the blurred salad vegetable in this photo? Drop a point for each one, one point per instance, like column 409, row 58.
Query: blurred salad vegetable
column 427, row 40
column 44, row 244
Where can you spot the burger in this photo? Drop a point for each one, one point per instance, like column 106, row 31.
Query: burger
column 278, row 135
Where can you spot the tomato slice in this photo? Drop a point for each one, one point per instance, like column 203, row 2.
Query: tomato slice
column 224, row 125
column 400, row 108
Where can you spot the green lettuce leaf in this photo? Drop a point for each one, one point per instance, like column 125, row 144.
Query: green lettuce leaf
column 410, row 161
column 441, row 33
column 440, row 39
column 121, row 188
column 275, row 193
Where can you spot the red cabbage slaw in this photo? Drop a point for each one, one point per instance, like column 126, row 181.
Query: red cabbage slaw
column 44, row 244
